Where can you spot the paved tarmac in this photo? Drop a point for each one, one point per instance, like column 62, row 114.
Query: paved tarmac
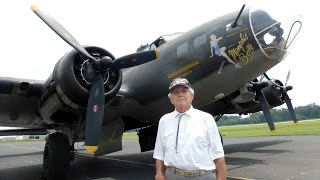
column 277, row 157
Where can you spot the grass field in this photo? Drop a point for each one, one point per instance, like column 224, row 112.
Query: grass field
column 130, row 136
column 307, row 127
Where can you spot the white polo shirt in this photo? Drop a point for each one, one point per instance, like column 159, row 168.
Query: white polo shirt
column 198, row 143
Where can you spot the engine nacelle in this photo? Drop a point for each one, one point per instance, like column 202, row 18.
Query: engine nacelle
column 72, row 82
column 273, row 93
column 67, row 88
column 247, row 100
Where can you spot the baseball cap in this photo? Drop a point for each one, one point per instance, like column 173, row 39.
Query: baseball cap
column 179, row 82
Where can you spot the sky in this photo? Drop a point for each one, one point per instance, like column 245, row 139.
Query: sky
column 30, row 49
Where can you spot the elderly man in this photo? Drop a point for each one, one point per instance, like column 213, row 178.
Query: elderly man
column 188, row 144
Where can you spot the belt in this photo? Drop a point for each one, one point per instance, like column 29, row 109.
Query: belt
column 189, row 173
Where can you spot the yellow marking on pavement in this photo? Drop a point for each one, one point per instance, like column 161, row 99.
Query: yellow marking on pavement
column 238, row 178
column 114, row 159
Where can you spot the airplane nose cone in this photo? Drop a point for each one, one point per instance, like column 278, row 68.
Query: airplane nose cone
column 274, row 30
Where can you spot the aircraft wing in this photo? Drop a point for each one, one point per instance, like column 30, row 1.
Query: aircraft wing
column 19, row 102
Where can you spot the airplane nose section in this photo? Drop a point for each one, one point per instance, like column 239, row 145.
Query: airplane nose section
column 274, row 31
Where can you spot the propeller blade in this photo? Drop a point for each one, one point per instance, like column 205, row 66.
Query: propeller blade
column 94, row 115
column 135, row 59
column 265, row 109
column 288, row 76
column 270, row 80
column 266, row 76
column 61, row 31
column 290, row 107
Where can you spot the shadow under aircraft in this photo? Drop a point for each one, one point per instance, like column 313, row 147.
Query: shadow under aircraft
column 94, row 97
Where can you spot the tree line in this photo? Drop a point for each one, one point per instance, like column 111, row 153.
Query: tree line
column 311, row 111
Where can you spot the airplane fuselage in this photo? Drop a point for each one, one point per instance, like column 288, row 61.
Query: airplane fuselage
column 189, row 55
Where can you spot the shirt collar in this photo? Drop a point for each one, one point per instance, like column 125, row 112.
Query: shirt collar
column 188, row 112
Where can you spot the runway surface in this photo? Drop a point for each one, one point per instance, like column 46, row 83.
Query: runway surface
column 281, row 158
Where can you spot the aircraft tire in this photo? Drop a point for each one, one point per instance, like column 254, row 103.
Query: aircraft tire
column 56, row 157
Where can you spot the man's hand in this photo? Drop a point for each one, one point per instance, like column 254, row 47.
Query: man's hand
column 160, row 168
column 221, row 169
column 161, row 177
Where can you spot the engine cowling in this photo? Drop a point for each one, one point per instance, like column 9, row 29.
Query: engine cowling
column 273, row 93
column 69, row 82
column 71, row 76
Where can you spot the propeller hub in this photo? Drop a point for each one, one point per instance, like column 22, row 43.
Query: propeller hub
column 104, row 63
column 262, row 85
column 288, row 88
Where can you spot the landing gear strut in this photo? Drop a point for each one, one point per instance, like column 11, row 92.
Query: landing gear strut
column 56, row 157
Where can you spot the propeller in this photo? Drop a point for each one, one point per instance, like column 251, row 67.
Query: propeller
column 284, row 91
column 288, row 100
column 264, row 105
column 287, row 79
column 266, row 110
column 96, row 101
column 261, row 77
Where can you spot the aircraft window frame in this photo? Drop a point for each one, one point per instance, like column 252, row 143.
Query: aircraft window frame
column 182, row 49
column 170, row 37
column 157, row 43
column 146, row 48
column 164, row 39
column 200, row 40
column 152, row 46
column 267, row 28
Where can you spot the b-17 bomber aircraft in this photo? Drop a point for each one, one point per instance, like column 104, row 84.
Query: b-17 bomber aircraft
column 92, row 96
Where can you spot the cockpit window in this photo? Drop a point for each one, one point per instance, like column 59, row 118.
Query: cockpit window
column 273, row 32
column 145, row 47
column 158, row 42
column 170, row 37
